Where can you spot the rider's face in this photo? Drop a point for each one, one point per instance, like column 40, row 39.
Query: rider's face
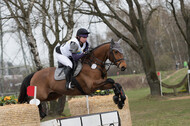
column 83, row 39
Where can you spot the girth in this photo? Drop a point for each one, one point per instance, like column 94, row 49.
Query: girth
column 77, row 85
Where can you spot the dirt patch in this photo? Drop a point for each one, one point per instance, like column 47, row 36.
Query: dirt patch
column 179, row 98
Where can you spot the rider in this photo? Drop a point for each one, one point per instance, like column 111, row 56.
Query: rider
column 75, row 48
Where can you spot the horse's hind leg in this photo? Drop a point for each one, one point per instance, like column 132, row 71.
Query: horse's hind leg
column 51, row 96
column 41, row 111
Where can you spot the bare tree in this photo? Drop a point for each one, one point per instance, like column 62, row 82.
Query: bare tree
column 136, row 25
column 21, row 13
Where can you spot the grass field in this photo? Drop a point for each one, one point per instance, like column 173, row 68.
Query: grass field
column 146, row 111
column 159, row 111
column 175, row 78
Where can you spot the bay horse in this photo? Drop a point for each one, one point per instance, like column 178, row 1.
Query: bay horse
column 89, row 79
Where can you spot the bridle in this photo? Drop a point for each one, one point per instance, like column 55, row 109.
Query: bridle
column 114, row 59
column 101, row 63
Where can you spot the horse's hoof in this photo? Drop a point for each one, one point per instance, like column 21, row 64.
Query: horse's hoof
column 115, row 99
column 123, row 98
column 120, row 105
column 42, row 115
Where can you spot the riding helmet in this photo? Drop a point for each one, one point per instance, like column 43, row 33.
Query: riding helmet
column 82, row 32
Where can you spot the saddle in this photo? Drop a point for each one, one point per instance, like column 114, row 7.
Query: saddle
column 59, row 72
column 60, row 75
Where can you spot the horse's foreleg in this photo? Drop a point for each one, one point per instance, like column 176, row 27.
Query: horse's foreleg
column 119, row 97
column 103, row 84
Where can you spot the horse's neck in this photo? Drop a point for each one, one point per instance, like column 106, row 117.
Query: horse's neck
column 102, row 52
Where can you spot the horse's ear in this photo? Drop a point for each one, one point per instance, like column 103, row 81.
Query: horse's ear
column 120, row 40
column 112, row 42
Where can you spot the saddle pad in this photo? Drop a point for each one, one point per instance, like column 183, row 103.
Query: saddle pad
column 61, row 76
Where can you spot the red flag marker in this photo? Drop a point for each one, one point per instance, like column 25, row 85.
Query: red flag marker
column 158, row 73
column 30, row 90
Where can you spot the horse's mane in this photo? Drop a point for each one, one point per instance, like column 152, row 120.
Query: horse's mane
column 92, row 49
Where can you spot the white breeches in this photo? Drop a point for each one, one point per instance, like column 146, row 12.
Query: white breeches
column 64, row 60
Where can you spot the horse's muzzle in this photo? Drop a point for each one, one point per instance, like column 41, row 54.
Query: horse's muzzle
column 123, row 68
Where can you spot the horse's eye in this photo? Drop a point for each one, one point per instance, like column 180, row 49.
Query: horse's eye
column 116, row 52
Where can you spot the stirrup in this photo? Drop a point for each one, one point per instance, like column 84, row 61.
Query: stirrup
column 70, row 86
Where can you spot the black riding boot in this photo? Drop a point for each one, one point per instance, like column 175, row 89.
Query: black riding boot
column 68, row 74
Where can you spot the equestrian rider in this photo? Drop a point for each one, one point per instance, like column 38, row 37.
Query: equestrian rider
column 75, row 48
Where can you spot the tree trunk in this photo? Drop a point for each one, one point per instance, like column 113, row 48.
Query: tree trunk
column 61, row 104
column 150, row 71
column 53, row 106
column 51, row 61
column 188, row 40
column 33, row 48
column 57, row 107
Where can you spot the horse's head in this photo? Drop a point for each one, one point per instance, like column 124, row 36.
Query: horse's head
column 116, row 55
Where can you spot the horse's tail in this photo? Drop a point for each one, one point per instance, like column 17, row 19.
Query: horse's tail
column 23, row 97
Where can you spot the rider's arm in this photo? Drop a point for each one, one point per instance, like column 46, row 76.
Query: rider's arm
column 74, row 49
column 76, row 56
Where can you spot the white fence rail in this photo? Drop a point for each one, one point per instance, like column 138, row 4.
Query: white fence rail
column 99, row 119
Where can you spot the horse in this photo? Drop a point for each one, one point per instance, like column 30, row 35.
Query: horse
column 93, row 76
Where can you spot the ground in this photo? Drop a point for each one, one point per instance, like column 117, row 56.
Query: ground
column 179, row 98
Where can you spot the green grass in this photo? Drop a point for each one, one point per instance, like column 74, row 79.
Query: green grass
column 174, row 79
column 159, row 111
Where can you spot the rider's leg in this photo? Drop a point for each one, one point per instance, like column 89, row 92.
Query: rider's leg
column 68, row 71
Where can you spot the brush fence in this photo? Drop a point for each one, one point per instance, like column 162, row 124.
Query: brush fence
column 98, row 104
column 19, row 115
column 98, row 119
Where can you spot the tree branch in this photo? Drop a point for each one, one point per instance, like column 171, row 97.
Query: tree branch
column 44, row 32
column 70, row 13
column 185, row 15
column 176, row 20
column 56, row 20
column 139, row 10
column 149, row 16
column 14, row 16
column 117, row 17
column 120, row 35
